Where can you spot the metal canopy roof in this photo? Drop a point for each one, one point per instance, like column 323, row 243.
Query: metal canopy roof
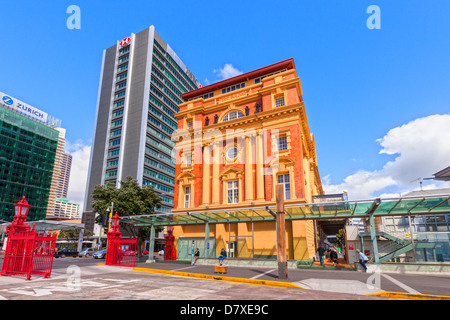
column 48, row 225
column 437, row 204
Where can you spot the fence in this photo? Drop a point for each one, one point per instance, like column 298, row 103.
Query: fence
column 121, row 252
column 28, row 254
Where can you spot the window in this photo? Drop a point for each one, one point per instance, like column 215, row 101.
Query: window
column 115, row 133
column 188, row 160
column 190, row 124
column 279, row 102
column 113, row 153
column 121, row 85
column 118, row 113
column 232, row 191
column 119, row 103
column 124, row 50
column 116, row 123
column 112, row 163
column 258, row 80
column 124, row 59
column 111, row 174
column 120, row 94
column 284, row 180
column 233, row 115
column 233, row 87
column 114, row 143
column 205, row 96
column 187, row 197
column 232, row 153
column 282, row 143
column 122, row 76
column 121, row 68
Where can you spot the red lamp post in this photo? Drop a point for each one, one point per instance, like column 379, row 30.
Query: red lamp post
column 119, row 252
column 18, row 224
column 27, row 252
column 114, row 232
column 111, row 247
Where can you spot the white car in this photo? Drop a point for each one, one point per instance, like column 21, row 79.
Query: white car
column 86, row 252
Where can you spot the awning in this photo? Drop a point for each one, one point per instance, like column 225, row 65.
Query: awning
column 48, row 225
column 437, row 204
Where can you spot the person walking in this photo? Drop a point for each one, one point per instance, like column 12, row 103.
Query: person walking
column 334, row 257
column 362, row 259
column 196, row 256
column 321, row 251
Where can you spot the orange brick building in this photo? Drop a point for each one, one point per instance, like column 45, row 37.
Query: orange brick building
column 237, row 139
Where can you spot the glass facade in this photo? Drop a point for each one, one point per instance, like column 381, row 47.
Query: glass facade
column 168, row 81
column 27, row 156
column 431, row 234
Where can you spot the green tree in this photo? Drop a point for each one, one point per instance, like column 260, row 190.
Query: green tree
column 130, row 199
column 340, row 238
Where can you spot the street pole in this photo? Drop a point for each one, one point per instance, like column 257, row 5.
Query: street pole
column 109, row 228
column 281, row 233
column 110, row 215
column 412, row 238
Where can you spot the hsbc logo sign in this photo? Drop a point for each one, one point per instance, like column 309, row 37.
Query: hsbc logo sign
column 125, row 41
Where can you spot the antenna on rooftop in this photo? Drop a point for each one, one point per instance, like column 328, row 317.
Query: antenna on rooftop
column 421, row 180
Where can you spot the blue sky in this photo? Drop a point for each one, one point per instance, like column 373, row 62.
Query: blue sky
column 359, row 84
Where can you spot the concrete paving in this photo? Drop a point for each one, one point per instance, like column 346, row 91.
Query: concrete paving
column 81, row 279
column 326, row 280
column 88, row 279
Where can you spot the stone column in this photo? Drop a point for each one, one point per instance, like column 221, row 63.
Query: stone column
column 206, row 180
column 259, row 167
column 248, row 172
column 215, row 174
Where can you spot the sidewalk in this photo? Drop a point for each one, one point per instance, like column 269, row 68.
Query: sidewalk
column 341, row 264
column 328, row 278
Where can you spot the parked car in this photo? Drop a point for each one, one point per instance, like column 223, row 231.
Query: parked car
column 100, row 254
column 86, row 252
column 65, row 253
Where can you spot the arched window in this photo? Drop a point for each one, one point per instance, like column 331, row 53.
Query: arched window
column 233, row 115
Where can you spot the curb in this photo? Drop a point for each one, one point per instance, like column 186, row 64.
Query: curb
column 270, row 283
column 408, row 296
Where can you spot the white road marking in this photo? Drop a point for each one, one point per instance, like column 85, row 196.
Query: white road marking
column 400, row 284
column 184, row 268
column 337, row 286
column 263, row 274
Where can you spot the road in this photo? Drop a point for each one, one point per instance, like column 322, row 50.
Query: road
column 86, row 279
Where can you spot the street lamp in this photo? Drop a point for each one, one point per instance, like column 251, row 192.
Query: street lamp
column 114, row 232
column 21, row 211
column 21, row 208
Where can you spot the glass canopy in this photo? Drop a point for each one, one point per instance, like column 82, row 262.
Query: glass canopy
column 323, row 210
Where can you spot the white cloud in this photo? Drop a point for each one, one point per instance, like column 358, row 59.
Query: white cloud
column 361, row 185
column 228, row 71
column 78, row 176
column 422, row 149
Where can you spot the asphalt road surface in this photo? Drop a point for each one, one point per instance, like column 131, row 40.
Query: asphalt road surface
column 87, row 279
